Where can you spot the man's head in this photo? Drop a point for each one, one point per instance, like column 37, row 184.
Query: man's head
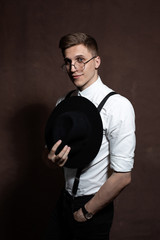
column 73, row 39
column 81, row 59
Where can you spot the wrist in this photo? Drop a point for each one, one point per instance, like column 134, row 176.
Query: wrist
column 87, row 215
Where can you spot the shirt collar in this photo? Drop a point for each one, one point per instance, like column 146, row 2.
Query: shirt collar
column 91, row 90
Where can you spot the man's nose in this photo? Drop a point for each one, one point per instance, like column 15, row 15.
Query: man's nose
column 73, row 68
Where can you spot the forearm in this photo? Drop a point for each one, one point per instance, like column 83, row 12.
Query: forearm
column 109, row 191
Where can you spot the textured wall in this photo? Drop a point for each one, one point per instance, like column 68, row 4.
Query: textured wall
column 128, row 33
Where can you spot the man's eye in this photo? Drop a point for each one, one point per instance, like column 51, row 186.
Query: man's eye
column 80, row 60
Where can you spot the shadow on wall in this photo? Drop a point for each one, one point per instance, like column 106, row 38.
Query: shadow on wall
column 35, row 190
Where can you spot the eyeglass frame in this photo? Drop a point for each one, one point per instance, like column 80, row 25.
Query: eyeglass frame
column 64, row 65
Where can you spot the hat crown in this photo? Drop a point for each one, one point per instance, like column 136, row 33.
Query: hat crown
column 72, row 127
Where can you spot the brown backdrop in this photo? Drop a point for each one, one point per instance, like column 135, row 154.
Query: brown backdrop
column 128, row 33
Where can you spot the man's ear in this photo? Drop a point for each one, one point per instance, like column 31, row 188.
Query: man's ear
column 97, row 62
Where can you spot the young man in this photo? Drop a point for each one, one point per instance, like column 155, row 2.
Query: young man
column 89, row 214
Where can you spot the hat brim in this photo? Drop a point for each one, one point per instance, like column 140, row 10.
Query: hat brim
column 93, row 141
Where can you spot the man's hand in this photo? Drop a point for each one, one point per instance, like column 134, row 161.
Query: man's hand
column 78, row 216
column 62, row 157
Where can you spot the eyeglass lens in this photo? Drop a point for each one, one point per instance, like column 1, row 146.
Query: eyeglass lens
column 77, row 65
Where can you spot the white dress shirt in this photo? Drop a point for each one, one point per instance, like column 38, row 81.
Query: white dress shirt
column 118, row 144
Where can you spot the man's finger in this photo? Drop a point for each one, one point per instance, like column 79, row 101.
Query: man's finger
column 64, row 157
column 63, row 152
column 51, row 154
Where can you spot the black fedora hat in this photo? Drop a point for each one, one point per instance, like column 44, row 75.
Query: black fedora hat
column 77, row 122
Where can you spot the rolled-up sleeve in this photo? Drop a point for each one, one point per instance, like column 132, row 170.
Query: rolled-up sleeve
column 121, row 135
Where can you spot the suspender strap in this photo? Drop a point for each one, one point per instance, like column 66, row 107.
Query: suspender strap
column 70, row 93
column 79, row 170
column 76, row 181
column 104, row 100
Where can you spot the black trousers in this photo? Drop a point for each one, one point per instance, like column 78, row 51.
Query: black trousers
column 63, row 226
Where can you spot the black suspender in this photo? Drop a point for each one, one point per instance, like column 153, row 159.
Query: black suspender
column 100, row 106
column 79, row 170
column 76, row 181
column 70, row 93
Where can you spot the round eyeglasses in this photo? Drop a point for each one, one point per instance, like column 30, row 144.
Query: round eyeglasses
column 78, row 65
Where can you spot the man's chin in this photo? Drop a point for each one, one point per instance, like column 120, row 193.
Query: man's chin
column 77, row 84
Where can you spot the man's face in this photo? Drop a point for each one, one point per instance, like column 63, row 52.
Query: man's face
column 82, row 78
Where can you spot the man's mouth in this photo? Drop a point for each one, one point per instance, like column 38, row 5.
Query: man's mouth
column 76, row 76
